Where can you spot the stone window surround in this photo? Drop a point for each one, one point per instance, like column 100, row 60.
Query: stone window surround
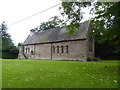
column 57, row 49
column 27, row 50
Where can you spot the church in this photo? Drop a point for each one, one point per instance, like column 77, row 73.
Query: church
column 57, row 44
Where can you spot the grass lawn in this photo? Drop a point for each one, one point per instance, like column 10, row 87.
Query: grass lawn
column 58, row 74
column 113, row 61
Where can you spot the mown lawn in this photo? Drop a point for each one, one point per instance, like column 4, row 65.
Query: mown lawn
column 110, row 61
column 58, row 74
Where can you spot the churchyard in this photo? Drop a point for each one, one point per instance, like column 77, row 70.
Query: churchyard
column 59, row 74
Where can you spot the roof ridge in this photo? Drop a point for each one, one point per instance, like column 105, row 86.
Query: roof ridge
column 57, row 34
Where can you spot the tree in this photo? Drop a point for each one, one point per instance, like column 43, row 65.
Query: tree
column 3, row 31
column 20, row 44
column 73, row 13
column 8, row 49
column 105, row 25
column 52, row 23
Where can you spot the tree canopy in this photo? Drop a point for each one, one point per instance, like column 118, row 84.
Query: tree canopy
column 8, row 49
column 105, row 24
column 53, row 22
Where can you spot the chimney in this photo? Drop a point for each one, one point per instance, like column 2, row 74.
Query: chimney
column 32, row 31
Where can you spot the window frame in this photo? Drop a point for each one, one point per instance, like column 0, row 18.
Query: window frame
column 57, row 49
column 62, row 49
column 53, row 49
column 66, row 48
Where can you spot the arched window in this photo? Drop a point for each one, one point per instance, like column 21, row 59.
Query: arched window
column 26, row 50
column 53, row 49
column 66, row 48
column 57, row 49
column 23, row 49
column 62, row 50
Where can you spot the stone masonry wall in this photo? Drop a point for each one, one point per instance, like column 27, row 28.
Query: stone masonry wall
column 76, row 50
column 70, row 50
column 43, row 51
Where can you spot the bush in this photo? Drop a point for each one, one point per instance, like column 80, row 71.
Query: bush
column 89, row 59
column 96, row 59
column 93, row 59
column 8, row 55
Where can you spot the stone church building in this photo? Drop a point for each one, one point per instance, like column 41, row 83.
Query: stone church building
column 56, row 44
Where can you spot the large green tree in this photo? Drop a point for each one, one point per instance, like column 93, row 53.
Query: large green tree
column 8, row 49
column 73, row 13
column 53, row 22
column 105, row 24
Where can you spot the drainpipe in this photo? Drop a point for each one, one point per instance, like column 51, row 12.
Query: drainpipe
column 51, row 51
column 34, row 51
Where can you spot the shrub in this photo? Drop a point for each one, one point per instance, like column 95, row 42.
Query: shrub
column 96, row 59
column 93, row 59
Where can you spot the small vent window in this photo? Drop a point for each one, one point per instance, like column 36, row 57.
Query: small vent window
column 53, row 49
column 62, row 49
column 32, row 53
column 66, row 48
column 57, row 49
column 23, row 49
column 26, row 50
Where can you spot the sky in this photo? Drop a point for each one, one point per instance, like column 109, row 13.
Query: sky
column 15, row 10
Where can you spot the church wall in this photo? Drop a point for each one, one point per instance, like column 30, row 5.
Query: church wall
column 28, row 51
column 42, row 51
column 76, row 50
column 70, row 50
column 90, row 46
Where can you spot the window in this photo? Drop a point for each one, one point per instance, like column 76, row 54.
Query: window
column 66, row 48
column 26, row 50
column 62, row 49
column 23, row 49
column 53, row 49
column 32, row 53
column 57, row 49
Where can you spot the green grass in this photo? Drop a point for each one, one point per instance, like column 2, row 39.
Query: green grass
column 0, row 74
column 113, row 61
column 58, row 74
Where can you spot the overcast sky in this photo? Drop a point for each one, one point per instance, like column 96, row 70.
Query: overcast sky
column 15, row 10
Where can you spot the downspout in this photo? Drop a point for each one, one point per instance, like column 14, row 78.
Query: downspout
column 34, row 51
column 51, row 51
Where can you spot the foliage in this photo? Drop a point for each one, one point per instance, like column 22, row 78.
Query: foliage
column 106, row 51
column 73, row 14
column 52, row 23
column 20, row 44
column 105, row 24
column 93, row 59
column 8, row 49
column 3, row 30
column 58, row 74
